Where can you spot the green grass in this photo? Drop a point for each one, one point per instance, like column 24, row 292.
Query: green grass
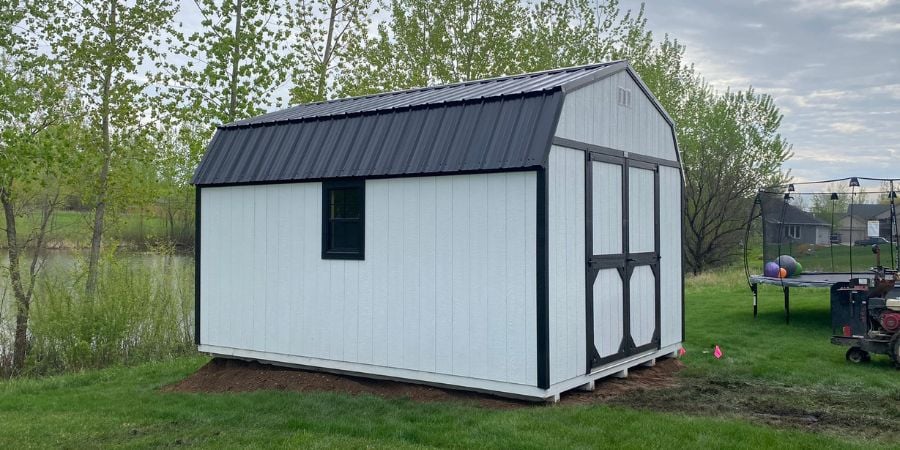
column 819, row 258
column 72, row 229
column 720, row 312
column 123, row 407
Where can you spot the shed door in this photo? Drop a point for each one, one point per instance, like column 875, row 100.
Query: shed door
column 623, row 258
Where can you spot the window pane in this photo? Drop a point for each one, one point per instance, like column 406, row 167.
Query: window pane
column 345, row 235
column 345, row 203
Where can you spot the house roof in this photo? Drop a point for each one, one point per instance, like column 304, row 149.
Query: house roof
column 867, row 210
column 780, row 212
column 504, row 123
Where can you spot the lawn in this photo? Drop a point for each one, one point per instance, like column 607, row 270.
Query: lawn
column 767, row 365
column 836, row 258
column 72, row 229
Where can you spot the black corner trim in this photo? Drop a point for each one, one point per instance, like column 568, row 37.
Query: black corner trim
column 543, row 282
column 592, row 270
column 197, row 242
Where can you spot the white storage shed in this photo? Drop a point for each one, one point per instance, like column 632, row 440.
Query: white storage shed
column 517, row 235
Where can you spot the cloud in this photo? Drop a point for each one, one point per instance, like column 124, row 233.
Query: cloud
column 832, row 5
column 849, row 127
column 872, row 28
column 891, row 90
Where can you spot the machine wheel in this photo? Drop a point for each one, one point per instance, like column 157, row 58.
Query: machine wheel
column 857, row 355
column 895, row 349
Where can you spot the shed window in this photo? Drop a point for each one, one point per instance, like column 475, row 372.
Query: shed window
column 343, row 219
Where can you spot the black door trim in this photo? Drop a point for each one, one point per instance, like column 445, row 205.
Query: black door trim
column 624, row 262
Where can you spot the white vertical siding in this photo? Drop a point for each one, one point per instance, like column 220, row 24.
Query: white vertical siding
column 606, row 196
column 643, row 305
column 447, row 286
column 591, row 114
column 670, row 255
column 641, row 214
column 566, row 241
column 642, row 238
column 608, row 317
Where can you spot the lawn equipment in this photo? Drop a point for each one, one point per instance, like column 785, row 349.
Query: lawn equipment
column 865, row 314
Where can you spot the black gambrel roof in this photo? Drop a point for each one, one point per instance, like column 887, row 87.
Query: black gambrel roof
column 502, row 123
column 868, row 211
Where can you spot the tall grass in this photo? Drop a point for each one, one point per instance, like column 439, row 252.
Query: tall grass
column 139, row 313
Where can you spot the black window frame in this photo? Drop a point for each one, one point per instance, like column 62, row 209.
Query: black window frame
column 327, row 188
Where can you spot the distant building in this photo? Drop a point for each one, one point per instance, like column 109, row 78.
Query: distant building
column 795, row 226
column 853, row 226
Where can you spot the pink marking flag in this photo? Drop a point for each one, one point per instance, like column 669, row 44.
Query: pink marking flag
column 718, row 352
column 681, row 351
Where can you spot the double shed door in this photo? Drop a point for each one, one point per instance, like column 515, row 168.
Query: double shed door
column 623, row 289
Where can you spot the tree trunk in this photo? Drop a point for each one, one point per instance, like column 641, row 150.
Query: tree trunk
column 23, row 303
column 235, row 63
column 322, row 81
column 100, row 209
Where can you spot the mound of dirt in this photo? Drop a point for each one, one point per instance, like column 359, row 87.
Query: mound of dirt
column 229, row 375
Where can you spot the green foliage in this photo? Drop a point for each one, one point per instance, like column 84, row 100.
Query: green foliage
column 139, row 313
column 732, row 149
column 235, row 62
column 328, row 41
column 428, row 42
column 826, row 209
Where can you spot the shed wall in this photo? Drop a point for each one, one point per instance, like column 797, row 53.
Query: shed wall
column 566, row 239
column 592, row 115
column 447, row 286
column 670, row 256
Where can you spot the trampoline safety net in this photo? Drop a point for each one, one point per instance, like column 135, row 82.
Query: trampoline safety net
column 827, row 226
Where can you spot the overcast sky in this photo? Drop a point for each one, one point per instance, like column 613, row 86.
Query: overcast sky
column 833, row 67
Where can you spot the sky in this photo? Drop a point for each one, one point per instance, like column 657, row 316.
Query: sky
column 833, row 67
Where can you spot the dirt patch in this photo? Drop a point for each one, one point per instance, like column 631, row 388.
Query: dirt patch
column 818, row 409
column 823, row 410
column 640, row 379
column 229, row 375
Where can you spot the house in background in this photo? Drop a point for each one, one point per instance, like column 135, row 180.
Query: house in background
column 795, row 226
column 854, row 225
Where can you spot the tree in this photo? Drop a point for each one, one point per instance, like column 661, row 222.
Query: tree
column 104, row 44
column 577, row 32
column 328, row 39
column 234, row 64
column 35, row 142
column 427, row 42
column 728, row 154
column 827, row 209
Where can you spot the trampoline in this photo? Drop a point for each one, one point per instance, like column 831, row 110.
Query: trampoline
column 827, row 225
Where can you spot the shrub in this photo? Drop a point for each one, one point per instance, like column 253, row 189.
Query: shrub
column 140, row 312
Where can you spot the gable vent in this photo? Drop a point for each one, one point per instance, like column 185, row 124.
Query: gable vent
column 624, row 97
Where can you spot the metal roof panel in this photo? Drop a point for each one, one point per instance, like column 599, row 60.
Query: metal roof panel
column 496, row 124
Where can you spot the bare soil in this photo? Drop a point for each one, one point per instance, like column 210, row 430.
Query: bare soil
column 228, row 375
